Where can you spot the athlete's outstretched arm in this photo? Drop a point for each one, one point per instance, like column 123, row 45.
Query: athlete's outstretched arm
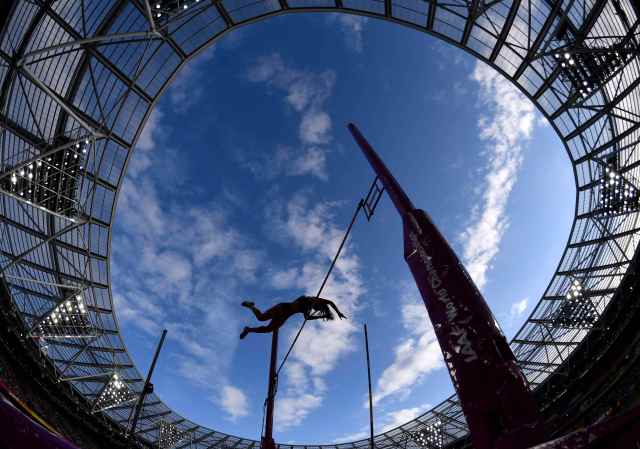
column 333, row 306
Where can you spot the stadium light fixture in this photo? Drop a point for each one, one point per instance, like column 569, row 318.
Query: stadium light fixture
column 430, row 436
column 165, row 9
column 586, row 69
column 115, row 392
column 51, row 181
column 617, row 195
column 575, row 311
column 68, row 319
column 169, row 435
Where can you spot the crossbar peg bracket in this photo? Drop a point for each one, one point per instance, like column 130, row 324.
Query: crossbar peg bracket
column 373, row 198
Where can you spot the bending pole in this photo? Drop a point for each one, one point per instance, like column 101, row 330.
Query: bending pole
column 147, row 384
column 494, row 396
column 326, row 278
column 366, row 346
column 267, row 438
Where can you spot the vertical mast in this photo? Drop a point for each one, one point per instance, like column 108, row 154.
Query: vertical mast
column 493, row 393
column 267, row 439
column 147, row 387
column 366, row 346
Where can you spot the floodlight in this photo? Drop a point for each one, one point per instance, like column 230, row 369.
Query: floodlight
column 69, row 319
column 575, row 311
column 588, row 68
column 115, row 392
column 169, row 435
column 50, row 182
column 617, row 194
column 430, row 436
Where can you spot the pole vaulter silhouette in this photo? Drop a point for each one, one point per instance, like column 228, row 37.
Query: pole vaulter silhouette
column 312, row 308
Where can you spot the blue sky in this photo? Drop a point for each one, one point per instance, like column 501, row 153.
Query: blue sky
column 245, row 178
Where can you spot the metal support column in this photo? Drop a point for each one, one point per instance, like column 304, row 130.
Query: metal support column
column 366, row 347
column 267, row 438
column 147, row 388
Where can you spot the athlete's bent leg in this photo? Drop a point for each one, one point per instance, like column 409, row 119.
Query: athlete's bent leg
column 259, row 315
column 272, row 326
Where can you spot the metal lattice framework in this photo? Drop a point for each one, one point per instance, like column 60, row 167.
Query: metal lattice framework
column 80, row 72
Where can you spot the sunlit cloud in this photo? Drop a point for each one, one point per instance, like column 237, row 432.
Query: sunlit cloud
column 518, row 308
column 415, row 356
column 186, row 89
column 234, row 401
column 352, row 28
column 506, row 128
column 312, row 229
column 390, row 420
column 306, row 93
column 159, row 287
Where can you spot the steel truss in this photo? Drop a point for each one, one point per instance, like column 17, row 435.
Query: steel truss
column 74, row 69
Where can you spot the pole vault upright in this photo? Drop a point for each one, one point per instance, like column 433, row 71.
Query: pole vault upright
column 499, row 408
column 267, row 439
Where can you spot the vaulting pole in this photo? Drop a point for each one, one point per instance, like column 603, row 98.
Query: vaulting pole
column 267, row 438
column 494, row 396
column 147, row 388
column 366, row 346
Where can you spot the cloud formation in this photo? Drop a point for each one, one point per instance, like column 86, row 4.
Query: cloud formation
column 170, row 281
column 414, row 356
column 312, row 229
column 286, row 161
column 352, row 28
column 306, row 93
column 518, row 308
column 506, row 129
column 234, row 402
column 186, row 89
column 389, row 421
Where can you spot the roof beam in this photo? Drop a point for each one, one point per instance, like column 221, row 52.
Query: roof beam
column 223, row 13
column 587, row 25
column 506, row 28
column 533, row 50
column 583, row 243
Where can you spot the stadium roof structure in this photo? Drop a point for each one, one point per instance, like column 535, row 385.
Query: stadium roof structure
column 79, row 78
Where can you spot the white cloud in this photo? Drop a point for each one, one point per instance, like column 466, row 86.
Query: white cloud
column 246, row 264
column 389, row 421
column 415, row 356
column 268, row 69
column 506, row 129
column 315, row 127
column 352, row 28
column 284, row 279
column 155, row 284
column 313, row 162
column 147, row 142
column 356, row 436
column 306, row 93
column 518, row 308
column 287, row 161
column 234, row 401
column 312, row 230
column 291, row 410
column 186, row 89
column 402, row 416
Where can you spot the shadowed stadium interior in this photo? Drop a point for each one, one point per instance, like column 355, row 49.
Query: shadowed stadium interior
column 78, row 80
